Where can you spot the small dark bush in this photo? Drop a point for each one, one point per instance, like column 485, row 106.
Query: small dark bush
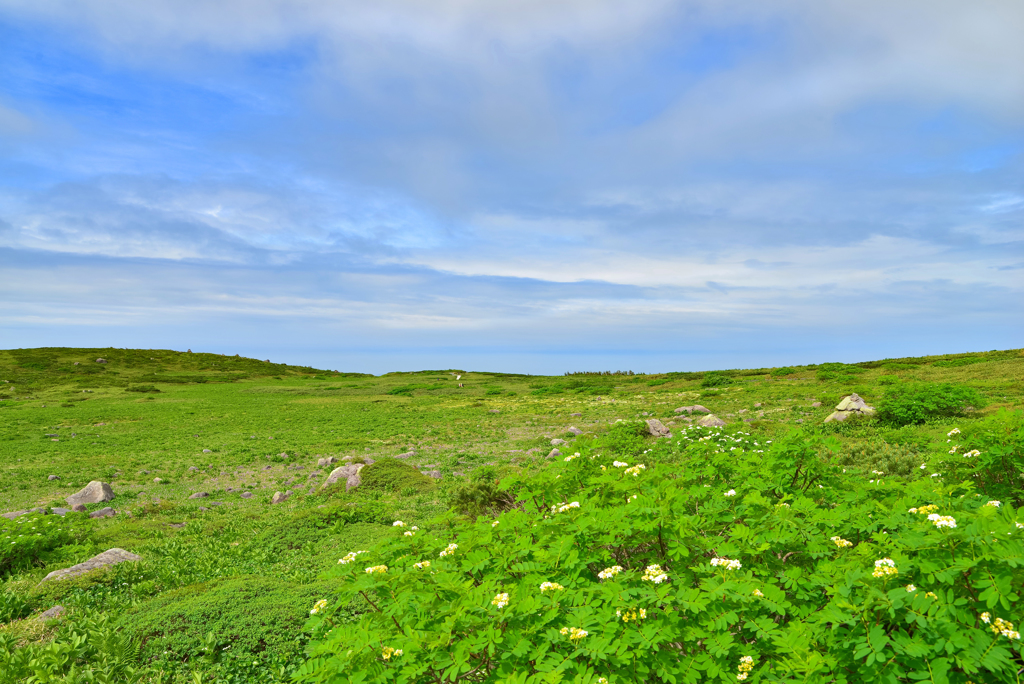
column 956, row 363
column 782, row 372
column 888, row 380
column 13, row 607
column 628, row 438
column 393, row 475
column 716, row 379
column 916, row 403
column 141, row 388
column 837, row 371
column 891, row 459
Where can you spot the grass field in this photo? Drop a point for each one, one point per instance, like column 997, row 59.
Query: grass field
column 160, row 426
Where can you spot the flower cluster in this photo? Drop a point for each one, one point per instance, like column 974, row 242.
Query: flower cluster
column 409, row 533
column 924, row 510
column 972, row 453
column 726, row 563
column 448, row 550
column 569, row 458
column 941, row 521
column 388, row 652
column 994, row 504
column 731, row 492
column 635, row 470
column 500, row 600
column 550, row 586
column 757, row 593
column 911, row 588
column 377, row 570
column 562, row 508
column 746, row 665
column 954, row 431
column 398, row 523
column 574, row 633
column 608, row 573
column 318, row 606
column 495, row 523
column 349, row 557
column 840, row 542
column 653, row 573
column 421, row 565
column 619, row 464
column 885, row 567
column 632, row 615
column 931, row 594
column 1000, row 626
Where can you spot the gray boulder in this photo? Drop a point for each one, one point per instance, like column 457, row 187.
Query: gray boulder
column 78, row 508
column 711, row 420
column 816, row 404
column 246, row 495
column 60, row 511
column 101, row 360
column 199, row 495
column 554, row 453
column 94, row 492
column 557, row 442
column 348, row 473
column 408, row 454
column 657, row 428
column 436, row 474
column 851, row 405
column 326, row 461
column 576, row 414
column 52, row 613
column 107, row 558
column 107, row 512
column 279, row 497
column 696, row 408
column 51, row 478
column 575, row 430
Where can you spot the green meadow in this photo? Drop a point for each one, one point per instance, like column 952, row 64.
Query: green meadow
column 226, row 582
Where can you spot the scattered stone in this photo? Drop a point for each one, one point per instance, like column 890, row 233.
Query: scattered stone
column 60, row 511
column 657, row 428
column 94, row 492
column 557, row 442
column 279, row 497
column 436, row 474
column 696, row 408
column 207, row 451
column 101, row 360
column 193, row 469
column 458, row 473
column 348, row 473
column 107, row 558
column 51, row 478
column 176, row 526
column 742, row 411
column 576, row 415
column 158, row 480
column 406, row 455
column 267, row 467
column 494, row 411
column 78, row 508
column 203, row 508
column 851, row 405
column 534, row 450
column 554, row 453
column 283, row 455
column 246, row 495
column 52, row 613
column 816, row 404
column 799, row 420
column 326, row 461
column 218, row 503
column 575, row 430
column 107, row 512
column 143, row 472
column 199, row 495
column 757, row 405
column 711, row 420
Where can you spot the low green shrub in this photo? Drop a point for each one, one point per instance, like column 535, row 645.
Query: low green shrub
column 716, row 379
column 142, row 388
column 29, row 540
column 880, row 458
column 837, row 371
column 888, row 379
column 13, row 607
column 392, row 474
column 957, row 363
column 628, row 437
column 782, row 372
column 991, row 453
column 916, row 403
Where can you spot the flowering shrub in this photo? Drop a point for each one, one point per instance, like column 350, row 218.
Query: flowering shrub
column 26, row 540
column 844, row 584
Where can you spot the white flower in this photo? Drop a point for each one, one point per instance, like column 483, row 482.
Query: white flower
column 495, row 523
column 884, row 568
column 398, row 523
column 922, row 466
column 972, row 453
column 635, row 470
column 318, row 606
column 911, row 588
column 550, row 586
column 619, row 464
column 562, row 508
column 727, row 563
column 421, row 565
column 731, row 492
column 608, row 573
column 500, row 600
column 349, row 557
column 449, row 550
column 941, row 521
column 409, row 534
column 654, row 573
column 994, row 504
column 377, row 570
column 954, row 431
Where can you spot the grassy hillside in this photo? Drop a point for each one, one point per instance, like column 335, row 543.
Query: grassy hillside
column 160, row 426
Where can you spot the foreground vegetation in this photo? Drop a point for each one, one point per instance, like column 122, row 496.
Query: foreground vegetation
column 776, row 548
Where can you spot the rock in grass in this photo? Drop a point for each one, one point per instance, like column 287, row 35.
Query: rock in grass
column 326, row 461
column 657, row 428
column 199, row 495
column 94, row 492
column 576, row 414
column 711, row 420
column 408, row 454
column 51, row 478
column 436, row 474
column 101, row 360
column 696, row 408
column 575, row 430
column 279, row 497
column 78, row 508
column 107, row 558
column 554, row 453
column 851, row 405
column 557, row 442
column 246, row 495
column 107, row 512
column 52, row 613
column 348, row 473
column 61, row 511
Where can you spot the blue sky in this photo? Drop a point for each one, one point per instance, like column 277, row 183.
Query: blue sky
column 529, row 186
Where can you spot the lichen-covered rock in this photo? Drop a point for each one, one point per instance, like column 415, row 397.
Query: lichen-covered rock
column 851, row 405
column 657, row 428
column 107, row 512
column 107, row 558
column 348, row 473
column 279, row 497
column 711, row 420
column 436, row 474
column 94, row 492
column 696, row 408
column 575, row 430
column 326, row 461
